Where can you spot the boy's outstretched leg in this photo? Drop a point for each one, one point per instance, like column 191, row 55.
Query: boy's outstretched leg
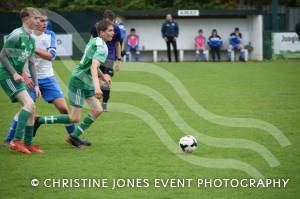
column 96, row 110
column 53, row 119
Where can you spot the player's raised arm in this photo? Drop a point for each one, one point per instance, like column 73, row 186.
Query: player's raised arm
column 43, row 54
column 50, row 54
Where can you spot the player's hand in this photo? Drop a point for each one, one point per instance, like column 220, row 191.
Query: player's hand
column 18, row 78
column 118, row 65
column 107, row 79
column 174, row 38
column 28, row 82
column 98, row 93
column 37, row 91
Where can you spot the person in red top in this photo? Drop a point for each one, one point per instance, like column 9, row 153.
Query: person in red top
column 132, row 45
column 200, row 41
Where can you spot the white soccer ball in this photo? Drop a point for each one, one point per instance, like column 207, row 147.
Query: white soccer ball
column 188, row 143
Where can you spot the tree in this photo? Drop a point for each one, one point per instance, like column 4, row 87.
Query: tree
column 121, row 5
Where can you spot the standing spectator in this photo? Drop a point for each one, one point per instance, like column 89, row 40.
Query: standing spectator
column 200, row 41
column 169, row 31
column 215, row 42
column 132, row 45
column 297, row 28
column 235, row 44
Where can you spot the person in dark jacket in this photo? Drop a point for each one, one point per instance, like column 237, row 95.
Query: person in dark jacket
column 169, row 31
column 215, row 42
column 297, row 29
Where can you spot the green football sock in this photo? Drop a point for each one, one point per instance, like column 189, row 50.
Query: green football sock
column 28, row 135
column 59, row 119
column 86, row 123
column 22, row 121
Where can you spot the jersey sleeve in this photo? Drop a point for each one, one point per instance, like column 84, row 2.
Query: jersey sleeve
column 12, row 40
column 101, row 52
column 52, row 48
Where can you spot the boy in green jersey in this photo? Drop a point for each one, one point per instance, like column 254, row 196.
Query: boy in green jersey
column 18, row 49
column 84, row 85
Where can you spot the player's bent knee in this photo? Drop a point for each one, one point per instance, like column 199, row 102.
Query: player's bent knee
column 30, row 106
column 96, row 112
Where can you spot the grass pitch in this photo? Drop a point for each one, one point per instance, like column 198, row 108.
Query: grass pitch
column 125, row 145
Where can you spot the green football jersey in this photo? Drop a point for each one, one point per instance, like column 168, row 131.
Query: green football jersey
column 81, row 76
column 20, row 46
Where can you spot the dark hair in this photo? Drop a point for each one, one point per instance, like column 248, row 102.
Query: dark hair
column 236, row 29
column 200, row 30
column 110, row 15
column 102, row 25
column 132, row 29
column 214, row 30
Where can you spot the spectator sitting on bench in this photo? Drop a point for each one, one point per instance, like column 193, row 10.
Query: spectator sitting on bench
column 132, row 45
column 200, row 41
column 235, row 45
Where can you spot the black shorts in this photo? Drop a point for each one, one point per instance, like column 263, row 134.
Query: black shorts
column 108, row 67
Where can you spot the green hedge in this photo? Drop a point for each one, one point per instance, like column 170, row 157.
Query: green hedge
column 124, row 5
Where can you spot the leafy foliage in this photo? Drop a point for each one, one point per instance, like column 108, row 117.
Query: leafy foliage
column 123, row 5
